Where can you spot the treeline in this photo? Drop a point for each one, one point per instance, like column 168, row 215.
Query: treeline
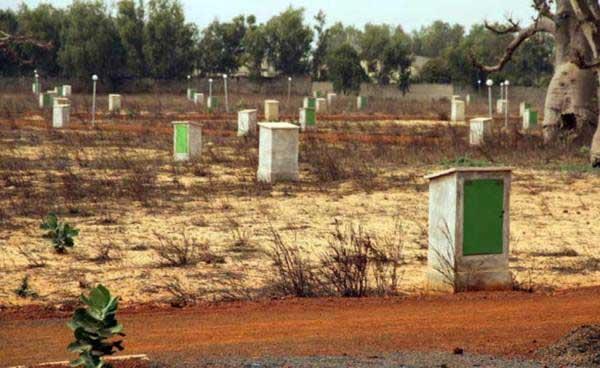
column 133, row 40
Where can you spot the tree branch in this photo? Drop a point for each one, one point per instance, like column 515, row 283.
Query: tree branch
column 542, row 25
column 512, row 27
column 7, row 41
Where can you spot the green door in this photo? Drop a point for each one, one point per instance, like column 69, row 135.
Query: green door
column 312, row 103
column 311, row 116
column 483, row 217
column 181, row 138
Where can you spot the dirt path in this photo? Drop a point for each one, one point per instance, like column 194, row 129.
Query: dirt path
column 501, row 324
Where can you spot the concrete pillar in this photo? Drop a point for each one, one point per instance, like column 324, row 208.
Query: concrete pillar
column 530, row 119
column 247, row 122
column 455, row 97
column 467, row 100
column 190, row 94
column 61, row 115
column 46, row 99
column 331, row 98
column 37, row 88
column 480, row 129
column 278, row 152
column 271, row 110
column 187, row 140
column 199, row 98
column 66, row 91
column 469, row 230
column 501, row 106
column 321, row 105
column 522, row 107
column 308, row 118
column 361, row 102
column 114, row 103
column 212, row 102
column 309, row 103
column 458, row 110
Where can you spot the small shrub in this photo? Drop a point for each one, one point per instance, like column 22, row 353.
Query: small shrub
column 95, row 328
column 183, row 251
column 24, row 290
column 60, row 233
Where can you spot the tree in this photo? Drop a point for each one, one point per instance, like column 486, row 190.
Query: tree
column 570, row 106
column 255, row 46
column 169, row 42
column 373, row 42
column 90, row 43
column 397, row 60
column 45, row 24
column 130, row 25
column 221, row 46
column 433, row 40
column 289, row 40
column 320, row 52
column 436, row 71
column 345, row 71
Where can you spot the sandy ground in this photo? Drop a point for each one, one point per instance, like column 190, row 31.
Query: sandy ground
column 553, row 235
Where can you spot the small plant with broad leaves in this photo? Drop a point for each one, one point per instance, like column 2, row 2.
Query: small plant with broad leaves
column 96, row 329
column 61, row 233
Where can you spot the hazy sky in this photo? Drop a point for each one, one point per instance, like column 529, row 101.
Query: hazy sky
column 411, row 14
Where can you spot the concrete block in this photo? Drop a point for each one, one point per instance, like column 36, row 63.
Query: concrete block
column 455, row 97
column 66, row 91
column 46, row 99
column 318, row 94
column 309, row 103
column 190, row 94
column 212, row 102
column 458, row 110
column 61, row 101
column 308, row 118
column 530, row 119
column 61, row 115
column 361, row 102
column 198, row 98
column 468, row 100
column 247, row 122
column 480, row 129
column 522, row 107
column 36, row 88
column 321, row 105
column 187, row 140
column 469, row 230
column 278, row 152
column 331, row 98
column 271, row 110
column 501, row 106
column 114, row 103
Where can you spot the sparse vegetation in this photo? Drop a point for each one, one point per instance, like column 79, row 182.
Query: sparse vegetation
column 60, row 233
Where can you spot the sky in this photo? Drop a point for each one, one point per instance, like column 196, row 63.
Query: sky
column 410, row 14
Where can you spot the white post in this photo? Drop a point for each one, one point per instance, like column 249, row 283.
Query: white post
column 37, row 78
column 490, row 83
column 226, row 97
column 189, row 77
column 289, row 90
column 478, row 86
column 94, row 79
column 506, row 84
column 210, row 87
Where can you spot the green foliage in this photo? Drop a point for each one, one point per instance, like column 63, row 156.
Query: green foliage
column 95, row 328
column 60, row 233
column 465, row 161
column 319, row 54
column 345, row 71
column 169, row 44
column 255, row 47
column 289, row 42
column 91, row 44
column 433, row 40
column 24, row 290
column 130, row 25
column 221, row 46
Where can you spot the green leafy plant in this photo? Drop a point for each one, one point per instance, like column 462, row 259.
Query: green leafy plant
column 60, row 233
column 95, row 328
column 24, row 290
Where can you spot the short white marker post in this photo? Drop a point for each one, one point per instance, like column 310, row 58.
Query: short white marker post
column 226, row 97
column 506, row 84
column 94, row 79
column 490, row 84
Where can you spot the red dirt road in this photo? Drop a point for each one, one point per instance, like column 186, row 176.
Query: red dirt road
column 490, row 323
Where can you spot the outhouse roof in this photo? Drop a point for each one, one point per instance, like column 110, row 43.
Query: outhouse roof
column 456, row 170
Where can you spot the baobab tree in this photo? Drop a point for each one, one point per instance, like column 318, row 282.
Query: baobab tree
column 571, row 104
column 9, row 45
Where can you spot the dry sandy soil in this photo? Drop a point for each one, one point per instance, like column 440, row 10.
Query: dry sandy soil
column 553, row 221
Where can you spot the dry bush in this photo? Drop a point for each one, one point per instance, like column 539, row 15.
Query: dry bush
column 182, row 296
column 183, row 251
column 295, row 275
column 34, row 257
column 106, row 251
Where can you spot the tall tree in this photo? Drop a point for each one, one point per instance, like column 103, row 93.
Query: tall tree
column 169, row 43
column 131, row 26
column 289, row 42
column 320, row 52
column 255, row 47
column 345, row 71
column 433, row 40
column 90, row 43
column 221, row 46
column 43, row 23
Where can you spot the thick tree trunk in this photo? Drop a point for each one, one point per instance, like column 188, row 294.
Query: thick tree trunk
column 571, row 108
